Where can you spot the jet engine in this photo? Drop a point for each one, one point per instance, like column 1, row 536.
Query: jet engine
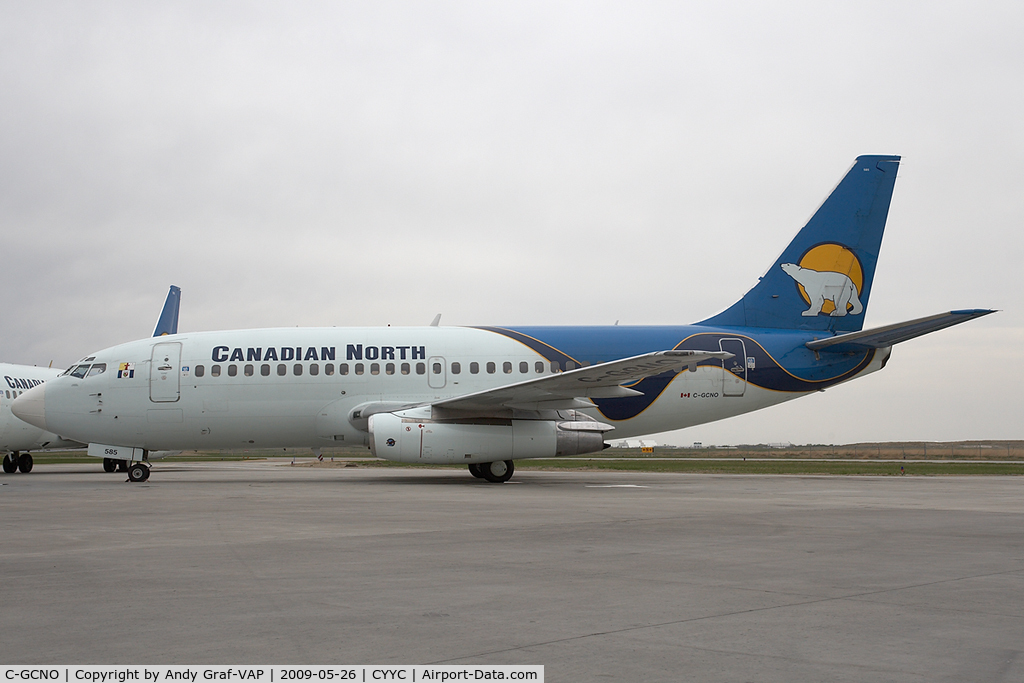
column 480, row 440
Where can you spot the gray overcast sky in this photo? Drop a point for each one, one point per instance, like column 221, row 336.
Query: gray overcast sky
column 528, row 163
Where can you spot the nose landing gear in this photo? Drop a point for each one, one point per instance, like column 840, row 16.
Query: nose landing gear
column 138, row 471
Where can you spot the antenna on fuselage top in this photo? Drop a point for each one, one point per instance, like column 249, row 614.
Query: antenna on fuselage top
column 436, row 321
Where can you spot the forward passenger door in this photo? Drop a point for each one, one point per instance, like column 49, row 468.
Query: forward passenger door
column 165, row 373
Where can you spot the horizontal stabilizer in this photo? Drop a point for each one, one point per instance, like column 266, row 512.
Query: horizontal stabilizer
column 881, row 337
column 594, row 381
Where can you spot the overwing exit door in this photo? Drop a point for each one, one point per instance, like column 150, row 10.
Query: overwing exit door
column 436, row 375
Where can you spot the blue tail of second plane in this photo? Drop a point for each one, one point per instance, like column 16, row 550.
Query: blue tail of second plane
column 168, row 321
column 822, row 280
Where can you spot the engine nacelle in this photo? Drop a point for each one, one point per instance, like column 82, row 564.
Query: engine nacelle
column 405, row 439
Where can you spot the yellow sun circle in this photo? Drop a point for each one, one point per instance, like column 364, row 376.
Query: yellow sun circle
column 833, row 258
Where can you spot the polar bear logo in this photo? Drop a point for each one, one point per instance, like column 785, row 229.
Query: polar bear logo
column 822, row 286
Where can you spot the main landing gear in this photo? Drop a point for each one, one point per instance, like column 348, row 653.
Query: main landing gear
column 15, row 461
column 497, row 472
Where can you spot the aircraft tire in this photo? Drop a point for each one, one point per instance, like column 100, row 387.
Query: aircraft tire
column 498, row 472
column 25, row 463
column 109, row 465
column 474, row 469
column 10, row 463
column 138, row 472
column 122, row 465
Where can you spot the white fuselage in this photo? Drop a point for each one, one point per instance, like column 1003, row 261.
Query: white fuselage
column 303, row 387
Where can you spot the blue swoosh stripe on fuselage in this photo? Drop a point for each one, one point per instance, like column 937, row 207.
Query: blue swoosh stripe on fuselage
column 804, row 372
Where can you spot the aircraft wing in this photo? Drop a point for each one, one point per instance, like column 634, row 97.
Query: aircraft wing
column 562, row 390
column 888, row 335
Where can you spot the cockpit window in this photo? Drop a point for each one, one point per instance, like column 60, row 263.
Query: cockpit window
column 97, row 369
column 79, row 371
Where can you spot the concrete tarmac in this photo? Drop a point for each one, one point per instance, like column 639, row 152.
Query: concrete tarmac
column 599, row 576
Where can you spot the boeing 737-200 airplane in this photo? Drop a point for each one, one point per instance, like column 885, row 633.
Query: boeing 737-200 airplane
column 487, row 396
column 17, row 437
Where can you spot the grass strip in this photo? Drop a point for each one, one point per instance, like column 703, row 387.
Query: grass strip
column 852, row 467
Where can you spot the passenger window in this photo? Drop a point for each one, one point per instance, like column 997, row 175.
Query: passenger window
column 421, row 368
column 8, row 394
column 389, row 368
column 80, row 371
column 248, row 370
column 554, row 366
column 214, row 371
column 374, row 368
column 569, row 365
column 436, row 368
column 297, row 369
column 200, row 371
column 282, row 369
column 456, row 368
column 490, row 367
column 97, row 369
column 314, row 369
column 506, row 367
column 405, row 368
column 342, row 368
column 524, row 367
column 474, row 367
column 329, row 369
column 265, row 369
column 539, row 367
column 359, row 368
column 232, row 370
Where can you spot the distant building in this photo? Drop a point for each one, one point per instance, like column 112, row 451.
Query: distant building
column 640, row 443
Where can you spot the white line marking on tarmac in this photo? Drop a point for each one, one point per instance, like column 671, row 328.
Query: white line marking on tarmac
column 614, row 486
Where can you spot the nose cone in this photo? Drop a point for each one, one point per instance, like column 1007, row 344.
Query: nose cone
column 31, row 406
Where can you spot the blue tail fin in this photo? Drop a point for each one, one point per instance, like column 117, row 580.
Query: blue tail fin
column 822, row 280
column 168, row 321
